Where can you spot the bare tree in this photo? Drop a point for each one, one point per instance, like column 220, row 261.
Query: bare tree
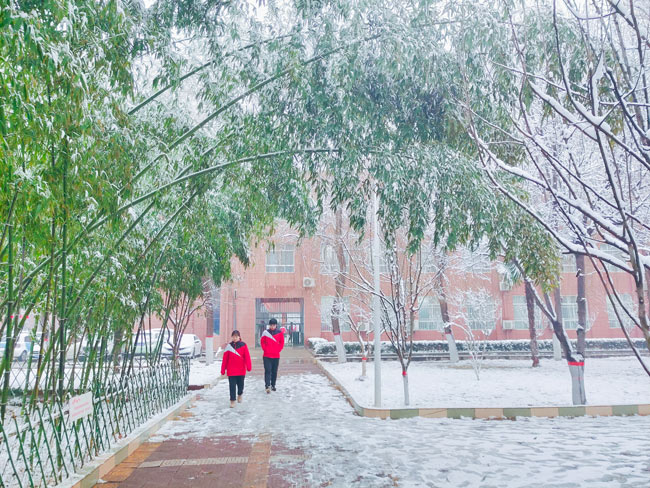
column 584, row 135
column 476, row 316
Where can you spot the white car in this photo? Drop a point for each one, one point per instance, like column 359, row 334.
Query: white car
column 23, row 346
column 147, row 342
column 189, row 347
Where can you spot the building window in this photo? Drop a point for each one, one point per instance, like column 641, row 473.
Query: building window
column 480, row 264
column 326, row 304
column 430, row 315
column 570, row 312
column 521, row 314
column 481, row 314
column 569, row 263
column 630, row 305
column 430, row 259
column 280, row 259
column 329, row 260
column 615, row 252
column 385, row 261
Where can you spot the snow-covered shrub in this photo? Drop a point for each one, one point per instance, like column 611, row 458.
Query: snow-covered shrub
column 322, row 347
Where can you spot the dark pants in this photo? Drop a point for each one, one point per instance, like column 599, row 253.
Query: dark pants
column 270, row 371
column 238, row 383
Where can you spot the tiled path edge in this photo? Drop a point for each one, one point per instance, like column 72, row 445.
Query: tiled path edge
column 93, row 472
column 487, row 413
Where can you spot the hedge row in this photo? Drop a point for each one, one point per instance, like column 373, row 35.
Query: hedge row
column 322, row 347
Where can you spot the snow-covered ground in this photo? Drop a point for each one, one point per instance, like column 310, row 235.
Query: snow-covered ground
column 503, row 383
column 203, row 374
column 345, row 450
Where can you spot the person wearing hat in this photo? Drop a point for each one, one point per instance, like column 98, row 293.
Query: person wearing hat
column 235, row 362
column 272, row 342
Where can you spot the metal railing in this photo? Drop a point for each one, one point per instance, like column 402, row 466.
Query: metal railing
column 42, row 446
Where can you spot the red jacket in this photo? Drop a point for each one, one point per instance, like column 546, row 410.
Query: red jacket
column 236, row 359
column 272, row 342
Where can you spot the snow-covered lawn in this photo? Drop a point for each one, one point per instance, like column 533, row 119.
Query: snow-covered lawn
column 345, row 450
column 503, row 383
column 203, row 374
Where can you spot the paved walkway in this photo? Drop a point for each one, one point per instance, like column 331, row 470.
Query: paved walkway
column 306, row 435
column 220, row 460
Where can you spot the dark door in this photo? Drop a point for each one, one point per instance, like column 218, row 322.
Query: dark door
column 289, row 312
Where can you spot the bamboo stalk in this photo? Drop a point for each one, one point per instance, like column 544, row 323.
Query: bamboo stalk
column 9, row 344
column 64, row 266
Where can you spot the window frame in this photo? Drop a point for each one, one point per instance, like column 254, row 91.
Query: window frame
column 436, row 313
column 615, row 252
column 539, row 324
column 332, row 268
column 326, row 313
column 571, row 300
column 469, row 321
column 611, row 316
column 568, row 264
column 281, row 251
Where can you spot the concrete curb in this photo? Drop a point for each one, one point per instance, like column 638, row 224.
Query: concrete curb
column 497, row 413
column 88, row 476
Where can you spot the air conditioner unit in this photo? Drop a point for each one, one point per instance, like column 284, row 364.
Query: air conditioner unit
column 508, row 325
column 308, row 282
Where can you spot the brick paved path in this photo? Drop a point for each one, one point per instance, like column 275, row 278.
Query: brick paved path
column 306, row 435
column 222, row 461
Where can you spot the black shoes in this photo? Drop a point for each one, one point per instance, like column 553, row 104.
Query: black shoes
column 273, row 388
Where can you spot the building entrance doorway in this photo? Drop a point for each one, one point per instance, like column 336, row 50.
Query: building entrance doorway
column 290, row 314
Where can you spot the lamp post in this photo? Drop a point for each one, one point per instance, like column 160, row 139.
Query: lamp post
column 376, row 314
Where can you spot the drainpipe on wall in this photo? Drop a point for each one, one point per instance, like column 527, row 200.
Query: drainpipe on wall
column 209, row 330
column 234, row 313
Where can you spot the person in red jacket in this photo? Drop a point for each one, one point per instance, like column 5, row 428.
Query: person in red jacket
column 235, row 362
column 272, row 342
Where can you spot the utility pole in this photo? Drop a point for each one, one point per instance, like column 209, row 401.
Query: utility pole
column 209, row 326
column 376, row 311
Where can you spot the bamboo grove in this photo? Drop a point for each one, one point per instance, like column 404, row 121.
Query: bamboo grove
column 142, row 147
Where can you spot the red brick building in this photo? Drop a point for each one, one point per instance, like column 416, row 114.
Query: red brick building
column 294, row 283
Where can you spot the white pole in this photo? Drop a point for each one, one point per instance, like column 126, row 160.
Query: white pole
column 376, row 316
column 209, row 349
column 557, row 348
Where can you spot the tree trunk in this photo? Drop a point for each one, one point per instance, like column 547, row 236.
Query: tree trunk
column 557, row 348
column 647, row 284
column 582, row 304
column 339, row 284
column 336, row 330
column 118, row 335
column 576, row 365
column 405, row 381
column 340, row 346
column 642, row 306
column 557, row 323
column 364, row 354
column 578, row 368
column 444, row 312
column 530, row 306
